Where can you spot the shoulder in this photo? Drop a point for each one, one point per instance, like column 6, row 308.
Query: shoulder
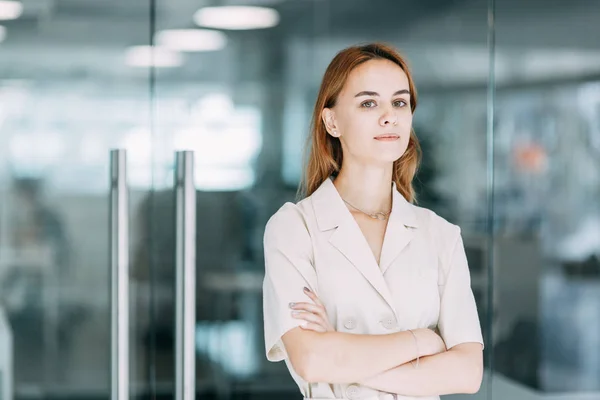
column 290, row 215
column 289, row 225
column 444, row 233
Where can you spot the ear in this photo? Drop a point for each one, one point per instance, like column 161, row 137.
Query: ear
column 328, row 117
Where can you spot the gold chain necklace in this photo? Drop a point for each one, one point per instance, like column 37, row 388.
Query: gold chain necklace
column 382, row 216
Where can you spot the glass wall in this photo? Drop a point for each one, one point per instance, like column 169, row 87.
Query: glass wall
column 547, row 197
column 68, row 95
column 508, row 119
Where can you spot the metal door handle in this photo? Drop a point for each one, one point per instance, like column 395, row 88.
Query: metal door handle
column 185, row 287
column 119, row 275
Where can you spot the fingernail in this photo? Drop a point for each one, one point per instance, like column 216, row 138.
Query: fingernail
column 295, row 312
column 292, row 305
column 306, row 289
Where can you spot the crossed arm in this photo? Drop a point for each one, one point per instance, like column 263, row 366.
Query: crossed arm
column 458, row 370
column 382, row 362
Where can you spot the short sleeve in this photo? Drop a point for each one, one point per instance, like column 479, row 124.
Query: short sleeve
column 458, row 320
column 288, row 269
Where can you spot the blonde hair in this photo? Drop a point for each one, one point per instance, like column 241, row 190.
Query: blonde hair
column 325, row 158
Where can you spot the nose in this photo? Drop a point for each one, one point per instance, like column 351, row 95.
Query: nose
column 388, row 118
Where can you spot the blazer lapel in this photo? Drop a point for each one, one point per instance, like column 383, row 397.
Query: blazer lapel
column 400, row 230
column 332, row 213
column 349, row 240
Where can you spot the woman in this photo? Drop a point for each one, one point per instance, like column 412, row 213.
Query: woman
column 359, row 281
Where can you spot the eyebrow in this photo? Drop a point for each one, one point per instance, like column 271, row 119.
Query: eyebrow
column 369, row 93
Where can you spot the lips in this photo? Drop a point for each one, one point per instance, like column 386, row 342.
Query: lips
column 387, row 136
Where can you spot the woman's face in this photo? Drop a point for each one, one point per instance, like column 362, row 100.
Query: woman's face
column 372, row 116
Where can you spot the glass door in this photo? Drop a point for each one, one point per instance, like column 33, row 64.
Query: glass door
column 223, row 103
column 73, row 86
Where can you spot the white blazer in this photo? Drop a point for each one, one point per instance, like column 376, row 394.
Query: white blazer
column 422, row 280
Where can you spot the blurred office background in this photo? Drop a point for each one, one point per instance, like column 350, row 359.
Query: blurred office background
column 78, row 78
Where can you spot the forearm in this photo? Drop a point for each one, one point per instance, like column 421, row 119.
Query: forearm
column 338, row 357
column 450, row 372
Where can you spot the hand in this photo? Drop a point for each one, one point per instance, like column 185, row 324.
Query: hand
column 314, row 314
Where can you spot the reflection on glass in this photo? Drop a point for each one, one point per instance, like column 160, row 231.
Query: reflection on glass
column 237, row 17
column 10, row 9
column 191, row 39
column 66, row 99
column 546, row 192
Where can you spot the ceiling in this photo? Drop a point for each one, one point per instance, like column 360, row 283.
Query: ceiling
column 446, row 40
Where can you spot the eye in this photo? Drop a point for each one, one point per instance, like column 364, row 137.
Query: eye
column 400, row 103
column 368, row 104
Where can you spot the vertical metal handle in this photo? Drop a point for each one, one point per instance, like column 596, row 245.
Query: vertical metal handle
column 119, row 275
column 185, row 287
column 6, row 358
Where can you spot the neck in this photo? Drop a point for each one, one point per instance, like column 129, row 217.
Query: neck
column 366, row 187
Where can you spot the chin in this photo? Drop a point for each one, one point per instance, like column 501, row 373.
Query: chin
column 390, row 155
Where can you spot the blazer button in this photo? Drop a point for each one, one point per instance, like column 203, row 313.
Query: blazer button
column 352, row 392
column 350, row 323
column 389, row 322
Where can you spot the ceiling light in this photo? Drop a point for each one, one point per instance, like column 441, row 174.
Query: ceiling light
column 147, row 56
column 10, row 9
column 192, row 39
column 2, row 33
column 236, row 17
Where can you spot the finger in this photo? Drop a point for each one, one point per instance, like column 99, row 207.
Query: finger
column 313, row 308
column 313, row 319
column 313, row 296
column 309, row 326
column 310, row 317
